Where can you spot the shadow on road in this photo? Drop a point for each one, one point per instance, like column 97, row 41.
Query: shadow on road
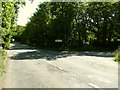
column 18, row 46
column 51, row 55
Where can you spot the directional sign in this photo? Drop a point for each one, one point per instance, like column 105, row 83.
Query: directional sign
column 58, row 40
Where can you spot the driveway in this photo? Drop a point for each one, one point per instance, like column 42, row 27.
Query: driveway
column 32, row 68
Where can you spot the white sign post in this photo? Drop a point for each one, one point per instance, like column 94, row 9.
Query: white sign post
column 58, row 40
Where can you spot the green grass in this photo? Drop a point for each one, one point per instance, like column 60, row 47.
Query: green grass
column 3, row 60
column 117, row 55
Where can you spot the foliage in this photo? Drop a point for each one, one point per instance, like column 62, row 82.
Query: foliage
column 117, row 55
column 76, row 24
column 18, row 32
column 9, row 18
column 3, row 59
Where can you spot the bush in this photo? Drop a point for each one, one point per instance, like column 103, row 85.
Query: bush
column 117, row 55
column 3, row 59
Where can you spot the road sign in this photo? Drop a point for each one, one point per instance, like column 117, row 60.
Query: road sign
column 58, row 40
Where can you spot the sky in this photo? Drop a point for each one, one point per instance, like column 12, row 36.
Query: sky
column 26, row 11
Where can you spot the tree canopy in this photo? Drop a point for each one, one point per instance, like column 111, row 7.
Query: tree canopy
column 9, row 20
column 76, row 23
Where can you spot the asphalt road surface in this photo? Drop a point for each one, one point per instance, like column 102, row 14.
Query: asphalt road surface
column 31, row 68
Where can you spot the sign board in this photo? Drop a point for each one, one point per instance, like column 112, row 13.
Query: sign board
column 58, row 40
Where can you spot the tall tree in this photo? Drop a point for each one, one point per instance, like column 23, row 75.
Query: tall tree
column 77, row 24
column 9, row 15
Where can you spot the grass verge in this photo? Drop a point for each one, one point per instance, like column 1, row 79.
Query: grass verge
column 3, row 63
column 117, row 55
column 3, row 60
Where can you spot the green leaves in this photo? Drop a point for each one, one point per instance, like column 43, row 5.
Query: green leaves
column 74, row 23
column 117, row 55
column 9, row 18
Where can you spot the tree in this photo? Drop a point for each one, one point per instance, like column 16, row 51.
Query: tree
column 9, row 18
column 77, row 24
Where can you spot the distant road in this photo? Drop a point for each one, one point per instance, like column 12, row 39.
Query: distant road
column 32, row 68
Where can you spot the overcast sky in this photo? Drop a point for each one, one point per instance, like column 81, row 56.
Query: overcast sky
column 26, row 11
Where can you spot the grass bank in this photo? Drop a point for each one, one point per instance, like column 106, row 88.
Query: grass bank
column 3, row 59
column 117, row 55
column 3, row 63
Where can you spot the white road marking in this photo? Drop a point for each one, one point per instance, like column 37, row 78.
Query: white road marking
column 93, row 85
column 56, row 66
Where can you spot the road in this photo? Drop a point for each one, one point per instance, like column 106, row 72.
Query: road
column 32, row 68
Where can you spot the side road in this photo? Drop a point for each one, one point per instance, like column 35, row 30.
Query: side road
column 31, row 68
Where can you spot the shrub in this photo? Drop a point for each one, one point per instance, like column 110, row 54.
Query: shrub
column 117, row 55
column 3, row 58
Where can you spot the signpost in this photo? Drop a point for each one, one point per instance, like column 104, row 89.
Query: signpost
column 58, row 40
